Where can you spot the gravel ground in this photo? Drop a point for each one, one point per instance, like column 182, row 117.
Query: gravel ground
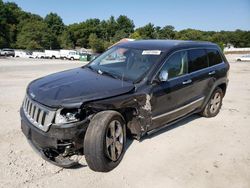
column 196, row 152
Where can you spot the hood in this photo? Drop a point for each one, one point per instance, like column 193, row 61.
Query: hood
column 74, row 87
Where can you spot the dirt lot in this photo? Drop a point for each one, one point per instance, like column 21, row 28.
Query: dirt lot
column 197, row 152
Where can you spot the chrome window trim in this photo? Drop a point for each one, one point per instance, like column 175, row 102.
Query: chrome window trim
column 198, row 48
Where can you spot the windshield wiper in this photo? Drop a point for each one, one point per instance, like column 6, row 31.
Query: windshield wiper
column 93, row 69
column 108, row 74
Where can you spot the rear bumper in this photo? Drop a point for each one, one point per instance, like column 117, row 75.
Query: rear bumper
column 56, row 139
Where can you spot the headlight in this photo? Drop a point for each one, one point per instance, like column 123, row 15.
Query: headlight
column 67, row 116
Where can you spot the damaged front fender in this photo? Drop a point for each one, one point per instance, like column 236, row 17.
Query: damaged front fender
column 136, row 109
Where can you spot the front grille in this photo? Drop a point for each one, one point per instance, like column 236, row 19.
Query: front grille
column 38, row 115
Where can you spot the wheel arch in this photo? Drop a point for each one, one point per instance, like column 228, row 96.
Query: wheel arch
column 223, row 87
column 222, row 84
column 132, row 112
column 129, row 114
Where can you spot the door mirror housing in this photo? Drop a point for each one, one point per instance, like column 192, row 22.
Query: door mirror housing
column 163, row 76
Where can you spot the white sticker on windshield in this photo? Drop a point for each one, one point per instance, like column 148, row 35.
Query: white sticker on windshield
column 151, row 52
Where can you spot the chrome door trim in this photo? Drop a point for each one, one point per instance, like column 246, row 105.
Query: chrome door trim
column 178, row 109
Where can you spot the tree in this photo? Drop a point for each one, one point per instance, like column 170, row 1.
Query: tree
column 66, row 40
column 34, row 35
column 20, row 29
column 146, row 32
column 190, row 34
column 167, row 32
column 136, row 35
column 125, row 25
column 8, row 20
column 120, row 34
column 4, row 29
column 111, row 28
column 56, row 25
column 96, row 44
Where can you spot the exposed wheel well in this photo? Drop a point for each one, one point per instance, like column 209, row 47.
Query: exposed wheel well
column 132, row 124
column 223, row 88
column 127, row 113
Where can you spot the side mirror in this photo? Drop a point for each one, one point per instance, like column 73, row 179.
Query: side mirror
column 163, row 76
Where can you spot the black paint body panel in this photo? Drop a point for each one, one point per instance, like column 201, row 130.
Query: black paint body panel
column 145, row 101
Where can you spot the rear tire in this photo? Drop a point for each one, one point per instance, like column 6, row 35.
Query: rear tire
column 105, row 141
column 214, row 104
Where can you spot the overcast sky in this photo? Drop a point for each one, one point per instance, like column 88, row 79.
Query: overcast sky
column 198, row 14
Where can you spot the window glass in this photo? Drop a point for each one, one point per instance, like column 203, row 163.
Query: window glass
column 176, row 65
column 214, row 57
column 197, row 60
column 127, row 63
column 116, row 56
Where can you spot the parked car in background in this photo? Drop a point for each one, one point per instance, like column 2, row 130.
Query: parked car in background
column 65, row 53
column 8, row 52
column 39, row 55
column 74, row 55
column 243, row 58
column 23, row 54
column 52, row 54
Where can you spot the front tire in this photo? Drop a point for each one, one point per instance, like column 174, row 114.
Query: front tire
column 214, row 104
column 105, row 141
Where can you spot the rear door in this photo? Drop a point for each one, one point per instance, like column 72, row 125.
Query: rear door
column 200, row 73
column 182, row 93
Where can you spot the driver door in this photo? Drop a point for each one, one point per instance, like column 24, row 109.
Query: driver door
column 170, row 97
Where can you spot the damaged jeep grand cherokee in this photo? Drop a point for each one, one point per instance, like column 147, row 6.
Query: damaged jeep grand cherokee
column 134, row 88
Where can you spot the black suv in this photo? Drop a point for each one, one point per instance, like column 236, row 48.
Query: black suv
column 134, row 88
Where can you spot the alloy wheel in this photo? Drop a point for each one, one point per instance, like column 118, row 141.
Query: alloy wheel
column 215, row 103
column 114, row 140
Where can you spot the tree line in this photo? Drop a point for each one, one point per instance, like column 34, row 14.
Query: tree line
column 24, row 30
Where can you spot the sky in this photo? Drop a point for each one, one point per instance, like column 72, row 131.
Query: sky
column 208, row 15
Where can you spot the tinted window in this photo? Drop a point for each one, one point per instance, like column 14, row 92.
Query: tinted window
column 176, row 65
column 197, row 60
column 214, row 57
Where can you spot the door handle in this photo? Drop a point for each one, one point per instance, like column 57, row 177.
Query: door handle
column 187, row 82
column 211, row 73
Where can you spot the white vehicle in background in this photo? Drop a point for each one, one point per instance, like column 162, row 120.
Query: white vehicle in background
column 65, row 53
column 52, row 54
column 23, row 54
column 74, row 55
column 243, row 58
column 39, row 55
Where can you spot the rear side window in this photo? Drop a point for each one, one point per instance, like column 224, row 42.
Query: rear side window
column 197, row 60
column 214, row 57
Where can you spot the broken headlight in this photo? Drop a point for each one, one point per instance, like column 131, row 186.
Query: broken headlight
column 67, row 116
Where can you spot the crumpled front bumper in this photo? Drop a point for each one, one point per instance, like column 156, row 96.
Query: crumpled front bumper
column 57, row 137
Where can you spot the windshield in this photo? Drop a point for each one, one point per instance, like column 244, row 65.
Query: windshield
column 126, row 63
